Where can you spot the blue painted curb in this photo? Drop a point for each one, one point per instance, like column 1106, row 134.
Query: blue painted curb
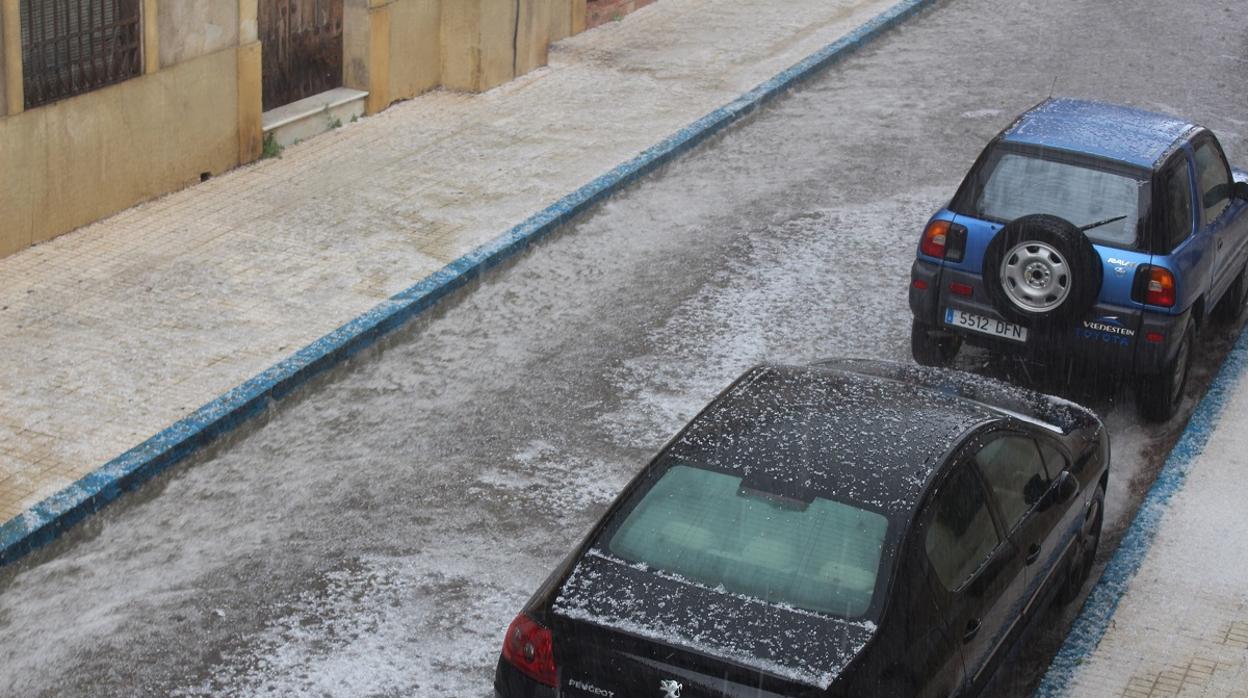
column 52, row 516
column 1098, row 610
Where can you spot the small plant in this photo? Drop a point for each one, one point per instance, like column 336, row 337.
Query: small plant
column 270, row 148
column 333, row 121
column 355, row 118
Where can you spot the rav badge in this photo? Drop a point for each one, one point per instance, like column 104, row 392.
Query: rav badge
column 670, row 688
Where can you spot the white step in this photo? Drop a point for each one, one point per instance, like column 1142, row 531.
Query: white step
column 313, row 115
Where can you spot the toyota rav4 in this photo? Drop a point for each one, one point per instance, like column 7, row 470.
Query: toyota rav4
column 1089, row 232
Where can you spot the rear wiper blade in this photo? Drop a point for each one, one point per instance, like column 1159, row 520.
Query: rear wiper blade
column 1098, row 224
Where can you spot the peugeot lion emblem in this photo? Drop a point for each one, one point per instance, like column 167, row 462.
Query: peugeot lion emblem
column 670, row 688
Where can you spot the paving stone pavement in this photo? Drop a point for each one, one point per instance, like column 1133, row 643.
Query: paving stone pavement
column 115, row 331
column 1181, row 629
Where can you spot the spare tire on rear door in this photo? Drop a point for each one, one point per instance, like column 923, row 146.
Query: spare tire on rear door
column 1041, row 268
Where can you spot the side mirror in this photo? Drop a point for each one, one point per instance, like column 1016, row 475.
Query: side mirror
column 1239, row 190
column 1034, row 490
column 1217, row 194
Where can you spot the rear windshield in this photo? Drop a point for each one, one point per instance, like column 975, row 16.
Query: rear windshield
column 1012, row 183
column 706, row 526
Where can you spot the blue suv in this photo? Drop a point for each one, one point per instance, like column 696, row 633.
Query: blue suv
column 1092, row 232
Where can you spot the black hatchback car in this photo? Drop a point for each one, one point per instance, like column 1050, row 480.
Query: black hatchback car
column 847, row 528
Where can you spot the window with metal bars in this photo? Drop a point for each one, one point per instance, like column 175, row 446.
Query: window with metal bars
column 75, row 46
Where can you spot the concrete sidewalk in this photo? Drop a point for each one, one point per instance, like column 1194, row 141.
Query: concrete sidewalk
column 1173, row 602
column 113, row 332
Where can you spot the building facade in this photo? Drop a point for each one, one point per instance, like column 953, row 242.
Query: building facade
column 107, row 103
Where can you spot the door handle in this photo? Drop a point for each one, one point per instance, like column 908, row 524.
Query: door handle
column 1220, row 243
column 972, row 629
column 1032, row 553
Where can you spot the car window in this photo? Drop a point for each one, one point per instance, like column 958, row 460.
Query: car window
column 1177, row 204
column 1015, row 473
column 708, row 527
column 1018, row 184
column 960, row 534
column 1054, row 461
column 1213, row 179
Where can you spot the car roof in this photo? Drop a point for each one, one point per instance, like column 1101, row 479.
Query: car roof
column 837, row 434
column 871, row 433
column 1112, row 131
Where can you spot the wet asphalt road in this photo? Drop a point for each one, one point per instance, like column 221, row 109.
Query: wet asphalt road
column 375, row 535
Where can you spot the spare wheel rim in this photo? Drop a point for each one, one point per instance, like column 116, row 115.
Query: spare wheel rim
column 1035, row 276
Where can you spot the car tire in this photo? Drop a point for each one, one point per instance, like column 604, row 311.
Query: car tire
column 932, row 348
column 1041, row 268
column 1085, row 548
column 1160, row 395
column 1232, row 304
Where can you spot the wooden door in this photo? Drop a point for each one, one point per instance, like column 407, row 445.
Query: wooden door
column 301, row 45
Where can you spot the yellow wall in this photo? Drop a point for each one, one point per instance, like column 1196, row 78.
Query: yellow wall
column 3, row 101
column 193, row 28
column 478, row 38
column 460, row 44
column 497, row 29
column 356, row 38
column 250, row 109
column 10, row 57
column 578, row 16
column 415, row 47
column 75, row 161
column 567, row 17
column 533, row 28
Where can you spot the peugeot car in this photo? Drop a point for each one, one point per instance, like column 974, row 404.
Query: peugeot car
column 848, row 528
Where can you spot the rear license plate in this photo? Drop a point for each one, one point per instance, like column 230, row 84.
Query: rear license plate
column 985, row 325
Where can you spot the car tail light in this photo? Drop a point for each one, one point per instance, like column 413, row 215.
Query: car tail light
column 955, row 242
column 919, row 284
column 961, row 289
column 529, row 647
column 1155, row 337
column 934, row 239
column 1154, row 286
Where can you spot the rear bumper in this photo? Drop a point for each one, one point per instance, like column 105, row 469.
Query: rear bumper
column 510, row 683
column 1107, row 336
